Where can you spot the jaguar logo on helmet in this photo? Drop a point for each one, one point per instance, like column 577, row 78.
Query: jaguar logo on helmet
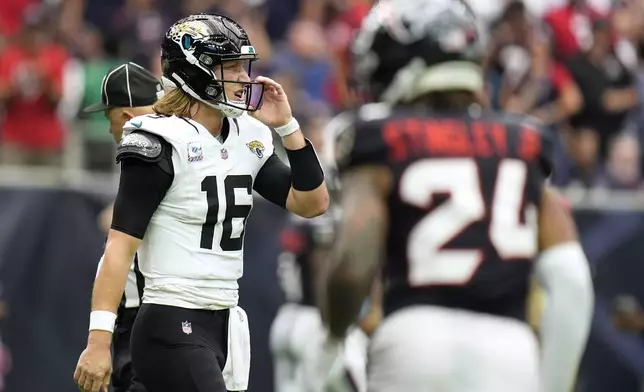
column 194, row 29
column 256, row 147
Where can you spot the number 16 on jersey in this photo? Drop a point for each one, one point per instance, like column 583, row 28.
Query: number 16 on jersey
column 235, row 215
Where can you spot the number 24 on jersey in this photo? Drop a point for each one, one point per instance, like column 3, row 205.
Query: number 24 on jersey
column 429, row 264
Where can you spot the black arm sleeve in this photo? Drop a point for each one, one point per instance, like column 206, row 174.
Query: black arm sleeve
column 273, row 181
column 141, row 188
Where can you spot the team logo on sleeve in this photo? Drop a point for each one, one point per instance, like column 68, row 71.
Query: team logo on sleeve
column 256, row 147
column 195, row 152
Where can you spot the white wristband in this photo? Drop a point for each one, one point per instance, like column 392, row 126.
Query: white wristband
column 102, row 320
column 289, row 128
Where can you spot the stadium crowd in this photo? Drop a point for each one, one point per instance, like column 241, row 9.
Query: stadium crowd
column 576, row 66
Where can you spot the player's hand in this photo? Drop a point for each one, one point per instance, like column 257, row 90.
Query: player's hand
column 94, row 368
column 275, row 110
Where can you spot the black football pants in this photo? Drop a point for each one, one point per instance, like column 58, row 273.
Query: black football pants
column 180, row 350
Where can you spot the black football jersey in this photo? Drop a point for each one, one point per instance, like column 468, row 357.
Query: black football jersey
column 299, row 240
column 463, row 208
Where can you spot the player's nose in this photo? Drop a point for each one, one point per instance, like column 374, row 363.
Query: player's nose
column 244, row 77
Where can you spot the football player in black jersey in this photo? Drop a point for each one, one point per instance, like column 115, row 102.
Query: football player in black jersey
column 450, row 202
column 128, row 90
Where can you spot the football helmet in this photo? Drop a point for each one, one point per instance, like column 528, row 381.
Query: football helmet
column 408, row 48
column 193, row 54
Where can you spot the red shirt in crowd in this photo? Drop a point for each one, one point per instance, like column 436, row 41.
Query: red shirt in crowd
column 340, row 34
column 12, row 13
column 571, row 28
column 561, row 77
column 30, row 117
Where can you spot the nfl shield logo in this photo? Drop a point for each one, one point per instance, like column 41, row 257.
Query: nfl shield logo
column 224, row 153
column 186, row 327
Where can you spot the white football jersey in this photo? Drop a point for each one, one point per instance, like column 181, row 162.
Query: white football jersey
column 192, row 253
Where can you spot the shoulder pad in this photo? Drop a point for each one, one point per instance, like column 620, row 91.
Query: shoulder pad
column 358, row 141
column 140, row 144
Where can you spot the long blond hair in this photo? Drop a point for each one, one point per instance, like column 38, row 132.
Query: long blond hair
column 174, row 103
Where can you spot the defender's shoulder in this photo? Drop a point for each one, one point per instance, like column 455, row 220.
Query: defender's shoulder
column 357, row 136
column 540, row 133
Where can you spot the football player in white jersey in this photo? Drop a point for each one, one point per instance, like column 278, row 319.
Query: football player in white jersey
column 127, row 91
column 187, row 177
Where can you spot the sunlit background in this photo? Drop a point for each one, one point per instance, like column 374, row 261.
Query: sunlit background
column 578, row 68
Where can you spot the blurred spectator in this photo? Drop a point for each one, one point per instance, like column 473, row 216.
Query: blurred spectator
column 280, row 14
column 570, row 26
column 11, row 15
column 307, row 58
column 527, row 79
column 189, row 7
column 99, row 56
column 339, row 34
column 623, row 166
column 140, row 26
column 609, row 94
column 30, row 87
column 254, row 22
column 627, row 21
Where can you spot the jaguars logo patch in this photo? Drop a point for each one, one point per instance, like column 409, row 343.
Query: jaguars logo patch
column 256, row 147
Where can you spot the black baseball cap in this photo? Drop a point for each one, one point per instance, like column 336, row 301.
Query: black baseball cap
column 127, row 85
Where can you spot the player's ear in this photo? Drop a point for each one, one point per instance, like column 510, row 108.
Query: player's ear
column 127, row 115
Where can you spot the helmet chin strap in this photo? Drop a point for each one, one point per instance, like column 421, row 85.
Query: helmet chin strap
column 227, row 110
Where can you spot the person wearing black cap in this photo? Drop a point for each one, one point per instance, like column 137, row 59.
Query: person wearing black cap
column 127, row 91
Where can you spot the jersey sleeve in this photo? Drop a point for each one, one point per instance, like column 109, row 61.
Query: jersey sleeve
column 147, row 173
column 273, row 181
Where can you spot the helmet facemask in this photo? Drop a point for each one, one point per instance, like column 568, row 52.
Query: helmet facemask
column 242, row 95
